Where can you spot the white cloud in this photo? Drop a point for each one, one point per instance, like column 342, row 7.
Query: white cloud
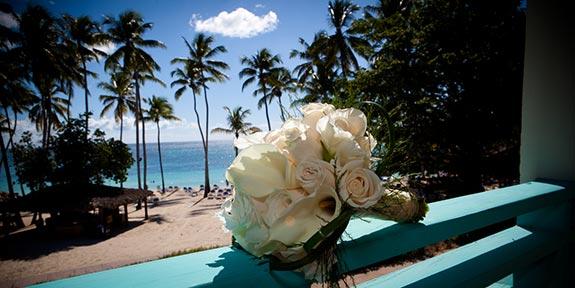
column 258, row 6
column 171, row 130
column 7, row 20
column 107, row 48
column 239, row 23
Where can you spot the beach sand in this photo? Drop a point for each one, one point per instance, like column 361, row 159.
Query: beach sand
column 173, row 226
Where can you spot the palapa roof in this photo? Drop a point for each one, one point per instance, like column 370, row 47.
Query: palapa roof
column 78, row 197
column 128, row 196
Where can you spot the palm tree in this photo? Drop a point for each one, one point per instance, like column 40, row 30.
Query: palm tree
column 126, row 32
column 44, row 56
column 122, row 95
column 281, row 81
column 386, row 8
column 4, row 128
column 53, row 116
column 341, row 45
column 316, row 75
column 82, row 34
column 237, row 123
column 160, row 109
column 259, row 67
column 199, row 69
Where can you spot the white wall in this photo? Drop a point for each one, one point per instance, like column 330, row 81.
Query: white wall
column 548, row 117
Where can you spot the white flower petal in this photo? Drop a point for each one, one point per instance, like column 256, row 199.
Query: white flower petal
column 259, row 170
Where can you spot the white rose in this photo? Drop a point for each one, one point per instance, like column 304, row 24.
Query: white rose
column 312, row 112
column 311, row 174
column 305, row 217
column 350, row 150
column 358, row 186
column 294, row 141
column 246, row 224
column 350, row 120
column 277, row 203
column 259, row 170
column 244, row 141
column 339, row 133
column 292, row 131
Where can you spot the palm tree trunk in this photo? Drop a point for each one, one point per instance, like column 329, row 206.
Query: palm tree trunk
column 6, row 166
column 206, row 161
column 160, row 156
column 121, row 126
column 121, row 134
column 85, row 94
column 138, row 118
column 68, row 107
column 44, row 121
column 48, row 122
column 137, row 84
column 236, row 148
column 206, row 189
column 17, row 218
column 145, row 182
column 266, row 105
column 10, row 141
column 281, row 109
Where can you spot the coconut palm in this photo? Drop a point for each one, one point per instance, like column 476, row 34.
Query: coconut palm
column 200, row 69
column 281, row 83
column 160, row 109
column 316, row 75
column 122, row 96
column 49, row 111
column 126, row 31
column 146, row 77
column 82, row 34
column 237, row 124
column 258, row 68
column 4, row 128
column 43, row 56
column 341, row 45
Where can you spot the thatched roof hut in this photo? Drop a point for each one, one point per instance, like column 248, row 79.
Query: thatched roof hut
column 78, row 197
column 127, row 196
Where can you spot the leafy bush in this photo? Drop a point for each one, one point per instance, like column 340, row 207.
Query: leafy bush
column 72, row 158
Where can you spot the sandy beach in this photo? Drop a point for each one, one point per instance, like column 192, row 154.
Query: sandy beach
column 173, row 225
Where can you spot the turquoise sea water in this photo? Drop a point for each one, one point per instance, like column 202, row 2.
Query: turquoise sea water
column 183, row 165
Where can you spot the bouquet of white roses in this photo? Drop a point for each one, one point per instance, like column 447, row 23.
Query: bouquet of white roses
column 296, row 188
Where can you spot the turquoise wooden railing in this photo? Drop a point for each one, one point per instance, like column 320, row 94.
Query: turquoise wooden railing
column 533, row 253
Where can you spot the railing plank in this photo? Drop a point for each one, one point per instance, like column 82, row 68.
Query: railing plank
column 376, row 240
column 477, row 264
column 222, row 267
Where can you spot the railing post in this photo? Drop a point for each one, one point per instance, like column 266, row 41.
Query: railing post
column 554, row 270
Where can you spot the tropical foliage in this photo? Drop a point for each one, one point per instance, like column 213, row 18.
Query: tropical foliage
column 237, row 124
column 72, row 158
column 160, row 109
column 200, row 69
column 127, row 31
column 440, row 81
column 259, row 69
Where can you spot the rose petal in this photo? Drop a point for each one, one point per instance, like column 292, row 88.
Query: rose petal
column 259, row 170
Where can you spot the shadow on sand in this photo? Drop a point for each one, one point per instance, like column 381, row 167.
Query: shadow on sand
column 33, row 243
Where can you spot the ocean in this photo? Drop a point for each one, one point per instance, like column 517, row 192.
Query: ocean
column 183, row 165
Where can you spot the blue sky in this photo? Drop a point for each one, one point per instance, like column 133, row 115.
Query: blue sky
column 275, row 25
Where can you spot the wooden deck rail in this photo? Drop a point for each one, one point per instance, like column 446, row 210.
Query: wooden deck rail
column 536, row 251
